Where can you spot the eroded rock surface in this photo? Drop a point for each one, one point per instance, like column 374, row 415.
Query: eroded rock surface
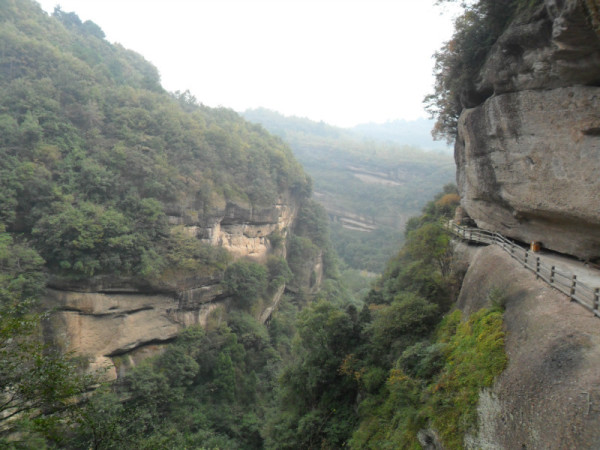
column 549, row 394
column 114, row 322
column 528, row 158
column 555, row 46
column 529, row 167
column 101, row 326
column 240, row 229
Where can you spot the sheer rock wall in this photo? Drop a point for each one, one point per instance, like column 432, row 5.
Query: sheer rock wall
column 549, row 394
column 528, row 157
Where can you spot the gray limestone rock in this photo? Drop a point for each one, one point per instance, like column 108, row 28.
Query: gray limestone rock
column 528, row 157
column 529, row 167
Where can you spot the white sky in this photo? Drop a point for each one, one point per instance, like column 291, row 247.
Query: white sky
column 341, row 61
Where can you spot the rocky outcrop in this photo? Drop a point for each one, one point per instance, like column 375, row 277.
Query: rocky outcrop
column 239, row 228
column 528, row 158
column 115, row 322
column 549, row 394
column 103, row 325
column 551, row 47
column 308, row 272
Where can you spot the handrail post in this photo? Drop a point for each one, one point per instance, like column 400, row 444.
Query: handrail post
column 537, row 267
column 525, row 260
column 596, row 300
column 552, row 270
column 573, row 286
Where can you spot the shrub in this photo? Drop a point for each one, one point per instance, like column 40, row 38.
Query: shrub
column 246, row 281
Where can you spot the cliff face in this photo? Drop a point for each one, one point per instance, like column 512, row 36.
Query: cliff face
column 528, row 156
column 240, row 229
column 116, row 321
column 118, row 185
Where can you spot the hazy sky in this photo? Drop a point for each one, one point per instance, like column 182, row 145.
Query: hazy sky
column 341, row 61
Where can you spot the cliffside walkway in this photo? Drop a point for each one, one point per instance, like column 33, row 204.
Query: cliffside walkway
column 570, row 278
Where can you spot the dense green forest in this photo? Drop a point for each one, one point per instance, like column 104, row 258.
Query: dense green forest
column 95, row 157
column 95, row 153
column 383, row 182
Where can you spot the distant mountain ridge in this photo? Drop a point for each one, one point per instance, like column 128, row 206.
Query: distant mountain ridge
column 416, row 133
column 412, row 133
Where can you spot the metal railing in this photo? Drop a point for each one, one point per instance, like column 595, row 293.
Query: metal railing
column 567, row 283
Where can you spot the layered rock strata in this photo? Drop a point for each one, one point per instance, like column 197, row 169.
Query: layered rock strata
column 241, row 229
column 109, row 320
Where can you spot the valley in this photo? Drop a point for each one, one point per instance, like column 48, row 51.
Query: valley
column 178, row 276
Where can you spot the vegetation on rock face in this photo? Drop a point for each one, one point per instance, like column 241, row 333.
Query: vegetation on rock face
column 94, row 154
column 458, row 63
column 37, row 382
column 395, row 361
column 94, row 157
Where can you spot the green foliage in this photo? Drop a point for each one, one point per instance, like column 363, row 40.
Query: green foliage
column 85, row 239
column 422, row 360
column 366, row 251
column 37, row 383
column 315, row 400
column 94, row 154
column 208, row 389
column 278, row 271
column 474, row 357
column 436, row 385
column 185, row 255
column 458, row 63
column 394, row 327
column 310, row 245
column 246, row 281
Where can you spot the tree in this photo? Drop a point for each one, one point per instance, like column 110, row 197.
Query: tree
column 458, row 63
column 246, row 281
column 37, row 383
column 316, row 400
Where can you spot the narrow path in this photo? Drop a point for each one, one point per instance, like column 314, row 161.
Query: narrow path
column 571, row 277
column 584, row 273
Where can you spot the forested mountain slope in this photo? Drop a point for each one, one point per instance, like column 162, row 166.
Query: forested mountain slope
column 132, row 214
column 96, row 156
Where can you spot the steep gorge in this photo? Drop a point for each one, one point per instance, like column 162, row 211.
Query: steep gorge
column 110, row 319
